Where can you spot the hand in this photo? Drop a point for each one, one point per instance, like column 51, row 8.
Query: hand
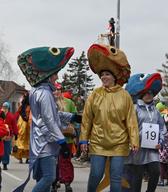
column 65, row 151
column 135, row 149
column 76, row 118
column 7, row 138
column 7, row 128
column 158, row 146
column 84, row 148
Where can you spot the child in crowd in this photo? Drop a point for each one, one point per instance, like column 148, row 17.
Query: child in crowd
column 4, row 131
column 65, row 169
column 163, row 109
column 143, row 88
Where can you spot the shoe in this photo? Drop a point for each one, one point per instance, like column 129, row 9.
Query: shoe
column 68, row 188
column 5, row 167
column 146, row 178
column 58, row 185
column 166, row 184
column 55, row 186
column 20, row 161
column 53, row 190
column 27, row 161
column 161, row 183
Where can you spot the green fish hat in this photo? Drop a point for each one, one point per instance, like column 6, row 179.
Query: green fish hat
column 37, row 64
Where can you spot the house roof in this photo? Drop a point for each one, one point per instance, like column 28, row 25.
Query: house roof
column 7, row 88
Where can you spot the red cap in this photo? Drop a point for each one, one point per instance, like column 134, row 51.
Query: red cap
column 67, row 95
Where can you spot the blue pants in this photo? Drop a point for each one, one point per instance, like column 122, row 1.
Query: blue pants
column 44, row 173
column 7, row 152
column 97, row 172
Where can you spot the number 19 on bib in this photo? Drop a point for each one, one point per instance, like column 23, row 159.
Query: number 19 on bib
column 150, row 135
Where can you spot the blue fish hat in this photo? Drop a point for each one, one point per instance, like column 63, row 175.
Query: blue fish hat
column 39, row 63
column 141, row 83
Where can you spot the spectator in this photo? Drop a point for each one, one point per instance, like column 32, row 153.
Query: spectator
column 163, row 109
column 4, row 131
column 11, row 122
column 65, row 169
column 23, row 141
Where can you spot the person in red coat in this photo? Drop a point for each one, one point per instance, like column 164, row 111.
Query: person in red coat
column 4, row 131
column 11, row 122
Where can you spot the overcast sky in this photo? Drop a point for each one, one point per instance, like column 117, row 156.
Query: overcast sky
column 26, row 24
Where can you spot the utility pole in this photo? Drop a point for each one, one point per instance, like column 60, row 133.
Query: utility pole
column 113, row 36
column 118, row 25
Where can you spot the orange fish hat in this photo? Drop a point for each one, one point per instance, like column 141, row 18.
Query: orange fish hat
column 105, row 57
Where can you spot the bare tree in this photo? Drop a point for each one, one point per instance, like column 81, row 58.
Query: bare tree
column 164, row 74
column 6, row 71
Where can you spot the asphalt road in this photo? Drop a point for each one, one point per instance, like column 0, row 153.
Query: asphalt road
column 16, row 174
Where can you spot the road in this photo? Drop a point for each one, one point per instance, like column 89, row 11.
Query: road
column 18, row 172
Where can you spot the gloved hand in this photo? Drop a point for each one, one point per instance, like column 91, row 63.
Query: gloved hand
column 65, row 151
column 76, row 118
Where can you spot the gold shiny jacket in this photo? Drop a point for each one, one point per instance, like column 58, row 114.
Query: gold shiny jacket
column 109, row 122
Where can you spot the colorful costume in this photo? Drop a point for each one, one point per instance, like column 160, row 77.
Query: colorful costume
column 23, row 141
column 147, row 158
column 38, row 65
column 109, row 121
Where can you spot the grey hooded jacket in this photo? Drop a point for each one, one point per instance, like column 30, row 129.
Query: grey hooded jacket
column 147, row 114
column 45, row 134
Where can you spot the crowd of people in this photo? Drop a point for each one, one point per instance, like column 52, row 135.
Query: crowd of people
column 123, row 130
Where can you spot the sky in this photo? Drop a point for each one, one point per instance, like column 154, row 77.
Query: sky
column 25, row 24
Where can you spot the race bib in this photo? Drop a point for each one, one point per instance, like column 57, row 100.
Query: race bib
column 150, row 135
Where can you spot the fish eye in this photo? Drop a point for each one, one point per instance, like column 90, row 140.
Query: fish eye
column 113, row 50
column 143, row 76
column 54, row 50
